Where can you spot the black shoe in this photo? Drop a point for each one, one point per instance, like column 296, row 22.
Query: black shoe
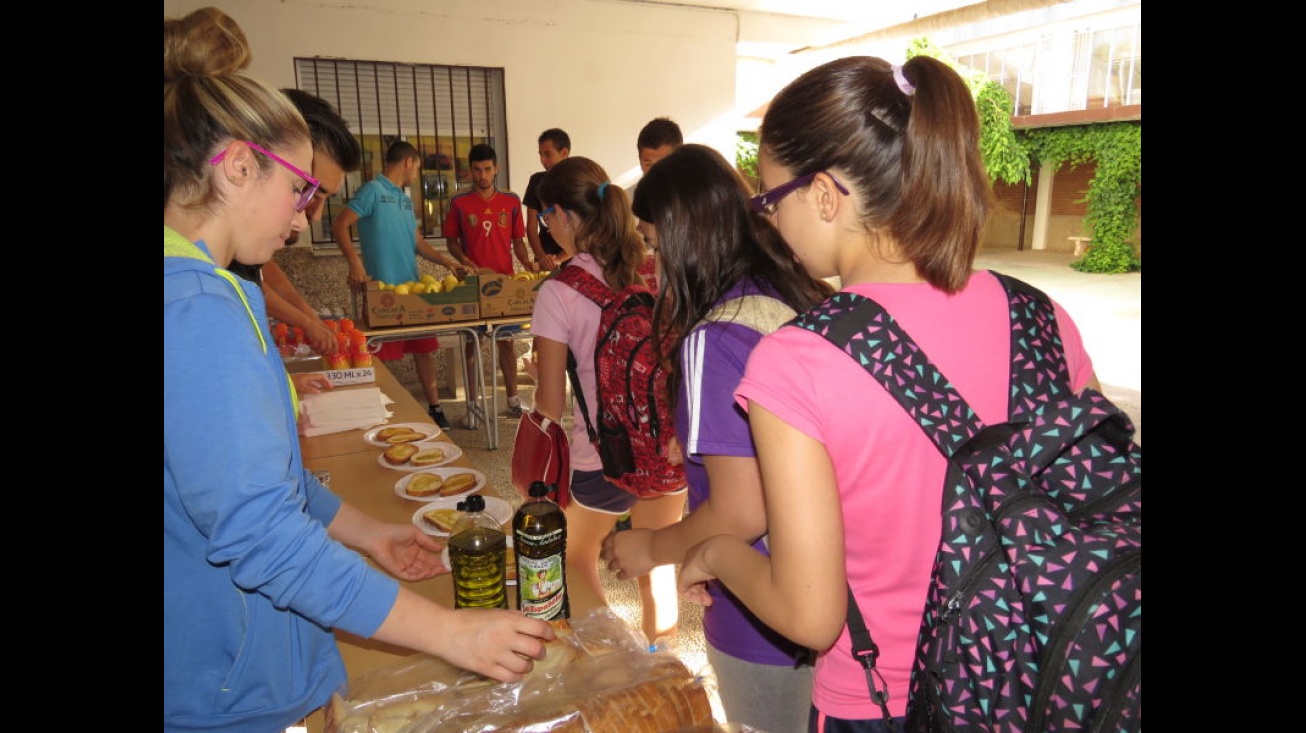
column 437, row 415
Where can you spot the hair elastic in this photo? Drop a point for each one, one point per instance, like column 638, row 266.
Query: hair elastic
column 603, row 188
column 904, row 86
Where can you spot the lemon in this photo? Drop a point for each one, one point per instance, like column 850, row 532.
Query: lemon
column 428, row 278
column 418, row 288
column 435, row 287
column 401, row 289
column 450, row 282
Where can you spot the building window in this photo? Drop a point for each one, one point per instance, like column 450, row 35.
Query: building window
column 1067, row 70
column 442, row 110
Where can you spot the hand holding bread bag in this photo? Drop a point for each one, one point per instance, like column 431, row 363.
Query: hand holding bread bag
column 595, row 677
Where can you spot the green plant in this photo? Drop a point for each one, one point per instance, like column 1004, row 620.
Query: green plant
column 1112, row 214
column 1010, row 156
column 746, row 156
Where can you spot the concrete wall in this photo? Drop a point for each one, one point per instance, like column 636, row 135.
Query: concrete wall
column 598, row 70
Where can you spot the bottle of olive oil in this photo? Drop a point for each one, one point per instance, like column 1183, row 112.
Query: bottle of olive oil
column 477, row 547
column 539, row 531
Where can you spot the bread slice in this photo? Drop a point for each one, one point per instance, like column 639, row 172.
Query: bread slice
column 457, row 483
column 427, row 456
column 442, row 519
column 400, row 453
column 400, row 434
column 425, row 484
column 405, row 436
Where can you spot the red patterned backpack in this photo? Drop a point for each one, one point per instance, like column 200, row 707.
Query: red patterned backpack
column 635, row 424
column 1033, row 623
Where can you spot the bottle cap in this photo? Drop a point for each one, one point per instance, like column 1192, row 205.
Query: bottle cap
column 538, row 489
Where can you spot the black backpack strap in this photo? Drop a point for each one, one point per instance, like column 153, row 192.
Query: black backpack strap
column 863, row 330
column 580, row 396
column 1039, row 373
column 596, row 290
column 866, row 653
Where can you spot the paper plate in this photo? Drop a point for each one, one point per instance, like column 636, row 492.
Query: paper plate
column 497, row 508
column 401, row 486
column 429, row 430
column 451, row 453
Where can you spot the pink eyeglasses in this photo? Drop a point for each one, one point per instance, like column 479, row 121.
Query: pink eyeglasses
column 305, row 196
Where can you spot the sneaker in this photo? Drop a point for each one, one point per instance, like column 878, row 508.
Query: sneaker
column 437, row 415
column 512, row 411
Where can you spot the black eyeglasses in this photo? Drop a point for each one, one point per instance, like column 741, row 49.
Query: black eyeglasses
column 766, row 203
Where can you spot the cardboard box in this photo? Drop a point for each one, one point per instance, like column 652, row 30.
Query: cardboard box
column 387, row 308
column 501, row 295
column 306, row 361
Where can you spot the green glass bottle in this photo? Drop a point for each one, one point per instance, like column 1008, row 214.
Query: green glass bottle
column 539, row 532
column 477, row 547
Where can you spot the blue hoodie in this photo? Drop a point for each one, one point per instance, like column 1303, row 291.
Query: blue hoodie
column 252, row 584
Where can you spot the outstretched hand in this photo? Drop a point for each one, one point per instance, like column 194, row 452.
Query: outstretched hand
column 407, row 553
column 628, row 553
column 311, row 382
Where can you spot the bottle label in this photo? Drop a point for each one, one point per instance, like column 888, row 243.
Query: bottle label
column 543, row 590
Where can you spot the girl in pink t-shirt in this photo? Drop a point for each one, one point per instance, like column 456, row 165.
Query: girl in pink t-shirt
column 873, row 174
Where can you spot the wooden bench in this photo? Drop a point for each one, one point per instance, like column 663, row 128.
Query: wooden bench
column 1081, row 244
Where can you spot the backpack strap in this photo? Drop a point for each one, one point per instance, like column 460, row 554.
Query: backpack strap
column 1039, row 372
column 586, row 284
column 580, row 397
column 597, row 291
column 866, row 652
column 861, row 328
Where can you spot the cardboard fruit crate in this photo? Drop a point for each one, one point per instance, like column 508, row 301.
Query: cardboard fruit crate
column 388, row 308
column 505, row 295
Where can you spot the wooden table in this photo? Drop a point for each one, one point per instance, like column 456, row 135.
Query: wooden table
column 359, row 479
column 351, row 441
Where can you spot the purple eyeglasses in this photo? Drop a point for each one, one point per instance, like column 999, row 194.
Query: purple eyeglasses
column 305, row 196
column 766, row 203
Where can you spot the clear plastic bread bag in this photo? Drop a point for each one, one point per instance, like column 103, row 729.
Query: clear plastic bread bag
column 599, row 677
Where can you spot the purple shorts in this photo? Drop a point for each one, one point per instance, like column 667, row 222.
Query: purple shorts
column 592, row 491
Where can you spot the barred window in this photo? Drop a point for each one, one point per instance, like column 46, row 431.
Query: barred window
column 442, row 110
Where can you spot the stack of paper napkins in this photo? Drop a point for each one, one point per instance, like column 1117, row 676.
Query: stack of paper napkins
column 338, row 411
